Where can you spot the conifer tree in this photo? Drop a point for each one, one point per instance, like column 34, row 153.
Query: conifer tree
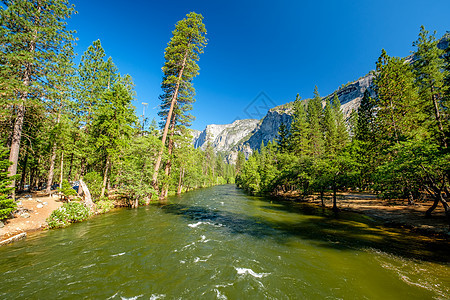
column 112, row 125
column 33, row 34
column 240, row 161
column 180, row 68
column 91, row 79
column 342, row 136
column 329, row 129
column 365, row 122
column 396, row 99
column 314, row 113
column 283, row 138
column 299, row 139
column 364, row 139
column 62, row 81
column 430, row 73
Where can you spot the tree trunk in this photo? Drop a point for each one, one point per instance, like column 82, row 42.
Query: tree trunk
column 82, row 166
column 321, row 198
column 168, row 167
column 437, row 115
column 17, row 131
column 335, row 208
column 168, row 121
column 437, row 198
column 15, row 142
column 105, row 178
column 62, row 169
column 52, row 158
column 24, row 171
column 69, row 177
column 410, row 198
column 51, row 170
column 180, row 181
column 446, row 208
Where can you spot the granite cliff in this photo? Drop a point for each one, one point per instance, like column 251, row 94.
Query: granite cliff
column 247, row 135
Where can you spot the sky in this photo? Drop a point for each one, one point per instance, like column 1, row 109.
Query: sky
column 260, row 53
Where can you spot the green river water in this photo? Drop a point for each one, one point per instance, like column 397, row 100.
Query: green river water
column 219, row 243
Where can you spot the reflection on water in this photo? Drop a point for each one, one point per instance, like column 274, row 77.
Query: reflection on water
column 219, row 243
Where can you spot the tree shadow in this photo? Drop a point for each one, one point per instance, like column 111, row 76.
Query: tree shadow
column 343, row 231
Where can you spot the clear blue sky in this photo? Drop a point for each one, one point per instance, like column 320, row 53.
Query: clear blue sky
column 279, row 47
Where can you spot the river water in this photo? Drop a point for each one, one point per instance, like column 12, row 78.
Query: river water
column 219, row 243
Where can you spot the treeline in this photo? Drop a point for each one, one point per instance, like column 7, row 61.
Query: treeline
column 395, row 144
column 61, row 122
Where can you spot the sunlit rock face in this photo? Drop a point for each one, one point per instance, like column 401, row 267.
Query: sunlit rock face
column 247, row 135
column 224, row 137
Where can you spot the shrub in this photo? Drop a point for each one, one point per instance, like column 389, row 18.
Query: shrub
column 103, row 206
column 94, row 183
column 66, row 190
column 71, row 212
column 6, row 205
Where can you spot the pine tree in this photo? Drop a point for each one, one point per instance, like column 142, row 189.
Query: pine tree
column 240, row 161
column 62, row 82
column 298, row 138
column 365, row 122
column 329, row 129
column 180, row 68
column 430, row 74
column 92, row 79
column 34, row 33
column 283, row 138
column 396, row 99
column 364, row 140
column 112, row 125
column 314, row 114
column 342, row 136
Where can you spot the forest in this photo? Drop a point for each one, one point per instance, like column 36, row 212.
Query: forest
column 395, row 144
column 62, row 124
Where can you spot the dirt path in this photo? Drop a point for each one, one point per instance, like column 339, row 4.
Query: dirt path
column 391, row 212
column 33, row 210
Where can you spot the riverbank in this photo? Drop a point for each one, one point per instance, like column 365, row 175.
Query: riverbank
column 394, row 213
column 32, row 211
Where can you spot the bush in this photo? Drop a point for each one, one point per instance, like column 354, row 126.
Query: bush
column 103, row 206
column 66, row 190
column 94, row 183
column 71, row 212
column 7, row 206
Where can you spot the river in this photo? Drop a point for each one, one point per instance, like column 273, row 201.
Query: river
column 219, row 243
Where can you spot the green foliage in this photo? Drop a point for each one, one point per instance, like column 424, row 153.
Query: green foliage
column 67, row 190
column 136, row 181
column 104, row 206
column 283, row 138
column 7, row 206
column 71, row 212
column 299, row 133
column 94, row 183
column 314, row 113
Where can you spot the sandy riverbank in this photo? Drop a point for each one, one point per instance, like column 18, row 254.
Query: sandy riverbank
column 395, row 213
column 32, row 211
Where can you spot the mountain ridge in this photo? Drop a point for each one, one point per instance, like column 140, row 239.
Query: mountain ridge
column 226, row 138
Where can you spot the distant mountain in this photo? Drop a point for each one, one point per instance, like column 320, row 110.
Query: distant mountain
column 247, row 135
column 224, row 138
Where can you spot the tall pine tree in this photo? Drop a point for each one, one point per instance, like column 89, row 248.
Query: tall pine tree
column 181, row 55
column 34, row 33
